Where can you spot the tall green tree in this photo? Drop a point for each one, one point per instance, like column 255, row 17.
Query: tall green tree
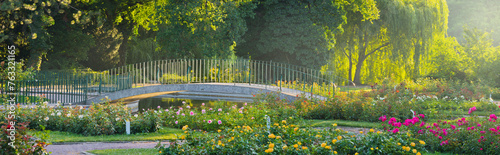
column 402, row 34
column 298, row 32
column 196, row 28
column 24, row 24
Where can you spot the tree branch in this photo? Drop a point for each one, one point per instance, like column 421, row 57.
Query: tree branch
column 378, row 48
column 346, row 54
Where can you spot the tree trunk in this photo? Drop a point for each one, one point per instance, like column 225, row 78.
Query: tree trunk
column 350, row 69
column 122, row 51
column 361, row 57
column 357, row 74
column 416, row 61
column 35, row 59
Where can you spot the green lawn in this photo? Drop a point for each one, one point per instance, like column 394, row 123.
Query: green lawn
column 328, row 123
column 162, row 134
column 124, row 151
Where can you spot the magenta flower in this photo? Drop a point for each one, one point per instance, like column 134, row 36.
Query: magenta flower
column 472, row 110
column 176, row 122
column 453, row 127
column 422, row 124
column 396, row 130
column 436, row 125
column 220, row 122
column 203, row 111
column 158, row 107
column 209, row 121
column 202, row 104
column 440, row 137
column 478, row 125
column 445, row 133
column 493, row 116
column 191, row 113
column 188, row 107
column 444, row 142
column 422, row 115
column 382, row 118
column 220, row 109
column 420, row 131
column 166, row 110
column 482, row 131
column 183, row 114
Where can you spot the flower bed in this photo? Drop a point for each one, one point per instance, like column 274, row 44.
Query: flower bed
column 472, row 135
column 222, row 116
column 396, row 102
column 99, row 119
column 284, row 138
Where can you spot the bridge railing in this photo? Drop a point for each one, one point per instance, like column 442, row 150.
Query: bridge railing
column 180, row 71
column 55, row 90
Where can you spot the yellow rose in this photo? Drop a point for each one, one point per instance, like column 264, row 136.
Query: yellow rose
column 334, row 124
column 183, row 137
column 328, row 147
column 304, row 148
column 271, row 145
column 185, row 127
column 285, row 147
column 361, row 132
column 414, row 150
column 295, row 129
column 371, row 130
column 339, row 137
column 371, row 148
column 283, row 121
column 295, row 146
column 232, row 138
column 299, row 143
column 412, row 144
column 399, row 144
column 408, row 148
column 378, row 132
column 271, row 136
column 334, row 152
column 418, row 153
column 323, row 144
column 356, row 153
column 334, row 141
column 422, row 142
column 218, row 130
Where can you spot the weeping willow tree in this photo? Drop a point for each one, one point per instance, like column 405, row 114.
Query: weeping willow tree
column 394, row 44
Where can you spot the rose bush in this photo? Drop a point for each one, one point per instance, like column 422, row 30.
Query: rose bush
column 284, row 138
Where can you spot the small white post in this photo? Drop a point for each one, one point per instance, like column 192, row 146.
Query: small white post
column 268, row 122
column 413, row 113
column 127, row 126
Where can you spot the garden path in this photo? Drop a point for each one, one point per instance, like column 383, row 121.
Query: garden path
column 78, row 148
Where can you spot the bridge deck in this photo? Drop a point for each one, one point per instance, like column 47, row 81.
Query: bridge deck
column 237, row 88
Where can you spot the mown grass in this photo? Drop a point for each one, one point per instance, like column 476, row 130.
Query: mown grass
column 162, row 134
column 124, row 151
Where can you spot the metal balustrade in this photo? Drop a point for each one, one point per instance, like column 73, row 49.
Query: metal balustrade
column 75, row 85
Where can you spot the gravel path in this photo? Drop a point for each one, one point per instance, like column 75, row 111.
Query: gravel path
column 79, row 148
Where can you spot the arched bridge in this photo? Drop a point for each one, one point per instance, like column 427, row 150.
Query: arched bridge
column 241, row 76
